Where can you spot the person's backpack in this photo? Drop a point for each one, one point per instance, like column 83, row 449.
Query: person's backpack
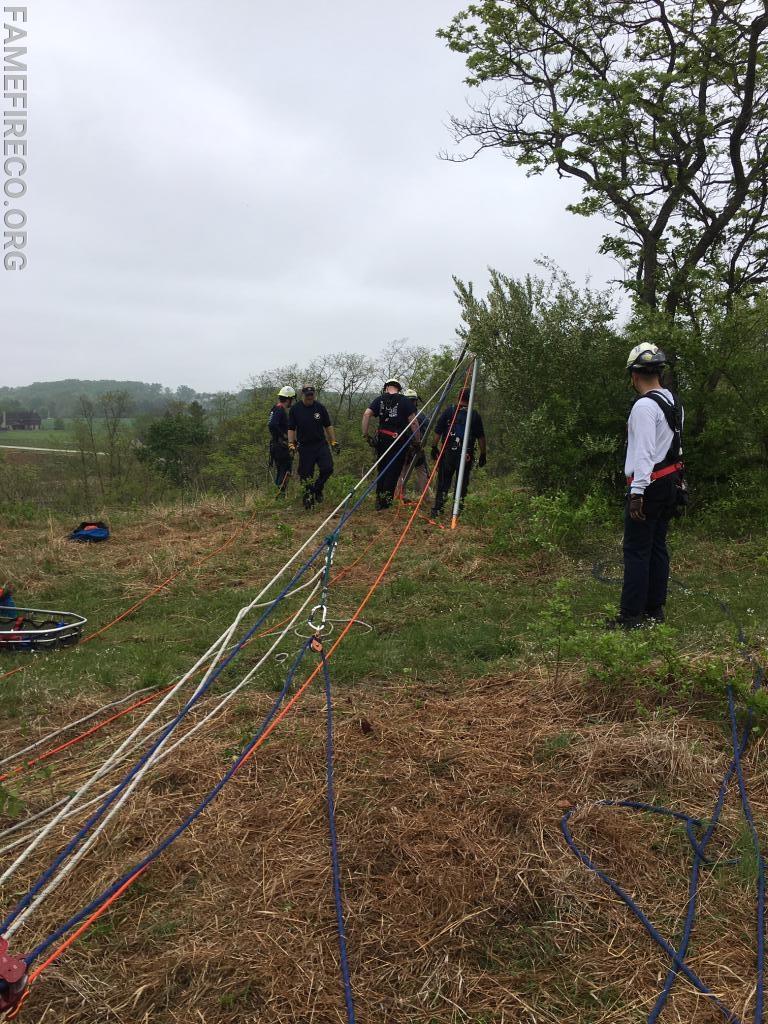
column 90, row 532
column 458, row 429
column 673, row 414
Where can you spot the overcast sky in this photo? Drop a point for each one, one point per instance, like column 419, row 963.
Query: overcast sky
column 219, row 189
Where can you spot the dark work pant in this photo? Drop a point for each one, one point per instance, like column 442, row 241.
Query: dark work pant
column 390, row 469
column 446, row 471
column 281, row 463
column 646, row 558
column 311, row 455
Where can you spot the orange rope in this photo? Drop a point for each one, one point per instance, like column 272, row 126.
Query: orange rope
column 158, row 693
column 75, row 935
column 262, row 738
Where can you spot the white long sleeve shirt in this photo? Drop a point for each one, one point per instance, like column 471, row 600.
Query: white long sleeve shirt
column 648, row 439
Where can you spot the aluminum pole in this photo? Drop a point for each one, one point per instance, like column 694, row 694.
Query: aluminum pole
column 435, row 414
column 464, row 448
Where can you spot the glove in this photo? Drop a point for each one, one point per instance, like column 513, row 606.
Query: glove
column 369, row 440
column 636, row 508
column 481, row 461
column 336, row 446
column 434, row 452
column 292, row 447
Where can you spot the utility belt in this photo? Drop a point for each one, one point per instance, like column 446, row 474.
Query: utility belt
column 657, row 474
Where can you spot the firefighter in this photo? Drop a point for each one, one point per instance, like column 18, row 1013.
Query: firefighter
column 655, row 489
column 396, row 414
column 311, row 431
column 280, row 458
column 449, row 435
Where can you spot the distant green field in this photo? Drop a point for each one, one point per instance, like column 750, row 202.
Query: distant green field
column 38, row 438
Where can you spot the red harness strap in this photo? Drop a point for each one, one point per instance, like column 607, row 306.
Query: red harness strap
column 389, row 433
column 659, row 473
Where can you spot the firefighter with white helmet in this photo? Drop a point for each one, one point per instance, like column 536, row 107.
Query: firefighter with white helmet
column 398, row 426
column 280, row 458
column 655, row 488
column 416, row 459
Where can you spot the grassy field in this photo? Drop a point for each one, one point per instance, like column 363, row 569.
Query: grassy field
column 38, row 438
column 485, row 700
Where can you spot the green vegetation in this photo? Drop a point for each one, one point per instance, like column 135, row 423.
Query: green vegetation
column 513, row 584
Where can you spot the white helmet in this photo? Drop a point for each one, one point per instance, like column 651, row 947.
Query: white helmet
column 394, row 381
column 286, row 392
column 410, row 393
column 646, row 357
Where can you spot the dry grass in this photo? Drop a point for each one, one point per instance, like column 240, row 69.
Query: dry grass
column 464, row 904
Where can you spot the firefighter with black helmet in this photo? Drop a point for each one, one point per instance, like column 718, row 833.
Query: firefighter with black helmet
column 397, row 420
column 655, row 488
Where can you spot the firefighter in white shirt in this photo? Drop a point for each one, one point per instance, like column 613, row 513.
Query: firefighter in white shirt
column 654, row 472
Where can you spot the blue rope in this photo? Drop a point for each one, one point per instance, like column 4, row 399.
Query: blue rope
column 173, row 836
column 336, row 869
column 739, row 746
column 693, row 884
column 173, row 724
column 657, row 937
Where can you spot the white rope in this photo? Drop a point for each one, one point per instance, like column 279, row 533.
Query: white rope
column 215, row 652
column 73, row 725
column 123, row 700
column 69, row 866
column 19, row 826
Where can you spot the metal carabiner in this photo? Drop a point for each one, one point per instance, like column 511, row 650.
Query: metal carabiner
column 323, row 620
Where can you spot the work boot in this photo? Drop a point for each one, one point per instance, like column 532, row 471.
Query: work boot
column 626, row 622
column 309, row 497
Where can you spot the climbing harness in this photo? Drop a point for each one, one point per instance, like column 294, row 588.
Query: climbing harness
column 672, row 462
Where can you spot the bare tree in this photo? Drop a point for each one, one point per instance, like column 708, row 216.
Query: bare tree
column 114, row 406
column 402, row 361
column 86, row 436
column 352, row 374
column 223, row 407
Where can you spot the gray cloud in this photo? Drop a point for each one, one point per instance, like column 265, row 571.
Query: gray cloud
column 215, row 190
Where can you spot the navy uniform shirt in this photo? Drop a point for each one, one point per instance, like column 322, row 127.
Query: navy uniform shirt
column 393, row 412
column 278, row 423
column 308, row 421
column 477, row 430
